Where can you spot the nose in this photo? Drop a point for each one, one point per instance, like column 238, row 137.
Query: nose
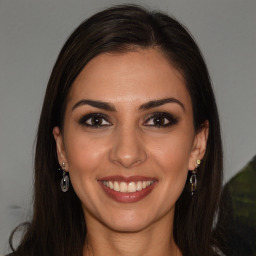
column 128, row 149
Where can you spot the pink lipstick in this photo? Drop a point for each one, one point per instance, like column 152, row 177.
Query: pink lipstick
column 127, row 189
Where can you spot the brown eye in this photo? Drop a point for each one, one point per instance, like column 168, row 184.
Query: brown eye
column 94, row 120
column 161, row 120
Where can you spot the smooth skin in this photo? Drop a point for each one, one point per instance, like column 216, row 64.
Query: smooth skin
column 126, row 135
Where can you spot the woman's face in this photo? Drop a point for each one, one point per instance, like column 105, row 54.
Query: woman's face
column 128, row 139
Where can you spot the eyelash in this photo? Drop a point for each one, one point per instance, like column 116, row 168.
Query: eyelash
column 163, row 119
column 93, row 117
column 161, row 116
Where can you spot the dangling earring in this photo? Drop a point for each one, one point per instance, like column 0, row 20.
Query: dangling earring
column 193, row 178
column 64, row 183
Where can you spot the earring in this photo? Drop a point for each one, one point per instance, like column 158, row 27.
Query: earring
column 64, row 183
column 193, row 178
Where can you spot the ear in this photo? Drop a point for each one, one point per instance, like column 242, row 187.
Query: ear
column 199, row 145
column 60, row 148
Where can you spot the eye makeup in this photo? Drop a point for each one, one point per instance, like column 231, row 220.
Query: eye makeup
column 161, row 120
column 154, row 120
column 95, row 120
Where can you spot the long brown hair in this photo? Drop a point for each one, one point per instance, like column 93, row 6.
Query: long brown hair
column 58, row 226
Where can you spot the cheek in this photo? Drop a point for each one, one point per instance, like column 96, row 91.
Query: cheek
column 173, row 151
column 172, row 157
column 84, row 156
column 82, row 150
column 174, row 166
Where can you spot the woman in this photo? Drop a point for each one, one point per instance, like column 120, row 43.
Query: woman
column 129, row 127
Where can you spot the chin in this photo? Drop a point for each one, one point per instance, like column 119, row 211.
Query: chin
column 128, row 226
column 129, row 221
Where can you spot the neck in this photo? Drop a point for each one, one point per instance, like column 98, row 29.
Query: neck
column 154, row 240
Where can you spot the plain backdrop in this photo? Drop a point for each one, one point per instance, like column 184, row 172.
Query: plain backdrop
column 32, row 33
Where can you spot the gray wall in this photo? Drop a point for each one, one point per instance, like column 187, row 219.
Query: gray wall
column 31, row 35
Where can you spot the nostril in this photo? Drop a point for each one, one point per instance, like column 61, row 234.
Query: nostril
column 127, row 163
column 127, row 149
column 137, row 162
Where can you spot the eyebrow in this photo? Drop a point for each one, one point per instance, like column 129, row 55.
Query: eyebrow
column 160, row 102
column 95, row 103
column 110, row 107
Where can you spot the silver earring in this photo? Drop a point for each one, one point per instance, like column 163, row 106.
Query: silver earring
column 64, row 183
column 193, row 178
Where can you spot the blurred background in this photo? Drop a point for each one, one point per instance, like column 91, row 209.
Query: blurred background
column 32, row 33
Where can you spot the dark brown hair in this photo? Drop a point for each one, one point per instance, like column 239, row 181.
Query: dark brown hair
column 58, row 226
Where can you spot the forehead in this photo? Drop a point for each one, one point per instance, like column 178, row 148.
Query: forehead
column 132, row 77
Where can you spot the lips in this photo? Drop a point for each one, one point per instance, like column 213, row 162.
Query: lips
column 127, row 189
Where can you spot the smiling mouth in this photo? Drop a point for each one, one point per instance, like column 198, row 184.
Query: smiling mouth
column 127, row 187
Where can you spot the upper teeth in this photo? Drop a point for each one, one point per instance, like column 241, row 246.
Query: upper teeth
column 127, row 187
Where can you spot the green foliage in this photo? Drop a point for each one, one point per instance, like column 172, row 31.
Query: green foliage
column 242, row 189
